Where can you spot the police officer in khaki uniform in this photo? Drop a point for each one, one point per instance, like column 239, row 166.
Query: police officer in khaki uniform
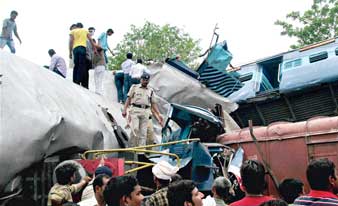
column 141, row 102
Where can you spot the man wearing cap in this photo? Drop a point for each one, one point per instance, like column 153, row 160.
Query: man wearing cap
column 141, row 102
column 162, row 171
column 88, row 192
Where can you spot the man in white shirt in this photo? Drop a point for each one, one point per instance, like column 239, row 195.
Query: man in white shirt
column 57, row 64
column 136, row 71
column 126, row 67
column 98, row 187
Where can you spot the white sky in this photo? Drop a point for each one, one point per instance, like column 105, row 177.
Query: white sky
column 247, row 25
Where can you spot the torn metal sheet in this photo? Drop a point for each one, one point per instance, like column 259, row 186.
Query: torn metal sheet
column 174, row 86
column 42, row 114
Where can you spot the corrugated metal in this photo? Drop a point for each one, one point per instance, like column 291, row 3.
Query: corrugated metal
column 219, row 81
column 297, row 106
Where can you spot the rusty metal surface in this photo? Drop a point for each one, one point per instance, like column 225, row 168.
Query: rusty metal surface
column 288, row 147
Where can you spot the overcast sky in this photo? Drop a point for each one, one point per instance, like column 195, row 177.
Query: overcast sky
column 247, row 25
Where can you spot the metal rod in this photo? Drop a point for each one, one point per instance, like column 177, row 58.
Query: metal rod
column 265, row 163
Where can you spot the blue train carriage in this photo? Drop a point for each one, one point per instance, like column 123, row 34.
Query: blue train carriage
column 288, row 72
column 309, row 66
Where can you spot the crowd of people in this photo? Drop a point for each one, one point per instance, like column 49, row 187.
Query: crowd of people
column 125, row 190
column 172, row 190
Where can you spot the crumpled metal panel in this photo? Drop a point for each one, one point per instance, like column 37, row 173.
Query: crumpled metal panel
column 42, row 114
column 174, row 86
column 213, row 72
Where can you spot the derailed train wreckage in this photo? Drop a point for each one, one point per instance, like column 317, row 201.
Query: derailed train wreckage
column 43, row 116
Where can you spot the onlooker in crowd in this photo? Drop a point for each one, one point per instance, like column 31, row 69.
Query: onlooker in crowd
column 77, row 46
column 8, row 27
column 91, row 31
column 119, row 76
column 252, row 183
column 140, row 98
column 290, row 189
column 71, row 61
column 99, row 184
column 90, row 50
column 184, row 193
column 322, row 177
column 88, row 192
column 73, row 26
column 276, row 202
column 162, row 171
column 126, row 67
column 57, row 64
column 176, row 178
column 62, row 191
column 221, row 188
column 123, row 191
column 136, row 71
column 100, row 67
column 102, row 40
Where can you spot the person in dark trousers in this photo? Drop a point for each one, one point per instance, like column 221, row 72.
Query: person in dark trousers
column 118, row 79
column 126, row 67
column 77, row 47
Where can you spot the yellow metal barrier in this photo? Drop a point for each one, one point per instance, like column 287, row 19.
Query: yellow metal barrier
column 144, row 165
column 142, row 149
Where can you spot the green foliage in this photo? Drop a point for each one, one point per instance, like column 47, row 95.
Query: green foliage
column 156, row 43
column 316, row 24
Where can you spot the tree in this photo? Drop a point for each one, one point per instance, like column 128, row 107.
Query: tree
column 152, row 42
column 315, row 25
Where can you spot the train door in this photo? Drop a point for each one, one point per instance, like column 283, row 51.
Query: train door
column 269, row 69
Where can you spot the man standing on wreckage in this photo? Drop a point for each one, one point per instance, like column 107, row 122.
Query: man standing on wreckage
column 141, row 102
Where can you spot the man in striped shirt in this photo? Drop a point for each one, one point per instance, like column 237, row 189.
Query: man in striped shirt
column 322, row 178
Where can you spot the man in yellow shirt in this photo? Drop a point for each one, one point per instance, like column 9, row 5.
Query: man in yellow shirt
column 64, row 187
column 77, row 47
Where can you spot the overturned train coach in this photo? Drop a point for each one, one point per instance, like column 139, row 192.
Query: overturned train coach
column 286, row 147
column 292, row 86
